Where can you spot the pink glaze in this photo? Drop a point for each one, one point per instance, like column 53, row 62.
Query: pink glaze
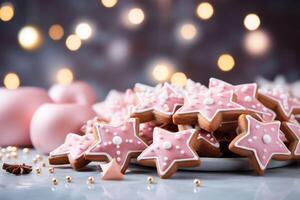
column 164, row 100
column 146, row 130
column 79, row 92
column 168, row 148
column 192, row 87
column 52, row 122
column 282, row 97
column 295, row 129
column 111, row 171
column 74, row 145
column 16, row 110
column 208, row 137
column 117, row 141
column 246, row 97
column 263, row 140
column 209, row 103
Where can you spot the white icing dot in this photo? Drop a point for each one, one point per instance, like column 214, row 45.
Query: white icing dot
column 257, row 126
column 118, row 152
column 164, row 163
column 208, row 101
column 254, row 137
column 118, row 159
column 182, row 151
column 250, row 140
column 248, row 99
column 166, row 158
column 177, row 147
column 167, row 145
column 265, row 150
column 117, row 140
column 273, row 129
column 267, row 139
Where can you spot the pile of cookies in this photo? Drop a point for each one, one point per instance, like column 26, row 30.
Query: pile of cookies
column 169, row 127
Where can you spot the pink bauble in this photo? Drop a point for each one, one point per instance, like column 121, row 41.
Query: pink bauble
column 52, row 122
column 16, row 110
column 77, row 92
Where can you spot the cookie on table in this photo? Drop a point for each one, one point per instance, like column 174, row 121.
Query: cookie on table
column 260, row 142
column 246, row 96
column 120, row 142
column 157, row 103
column 292, row 131
column 72, row 151
column 209, row 109
column 281, row 101
column 170, row 151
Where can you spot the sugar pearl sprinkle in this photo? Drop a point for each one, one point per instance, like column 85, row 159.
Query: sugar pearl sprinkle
column 150, row 180
column 69, row 179
column 54, row 181
column 51, row 170
column 197, row 182
column 90, row 180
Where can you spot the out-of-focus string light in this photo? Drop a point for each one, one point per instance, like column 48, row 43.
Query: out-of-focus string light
column 6, row 11
column 83, row 31
column 136, row 16
column 73, row 42
column 205, row 10
column 109, row 3
column 179, row 79
column 30, row 38
column 56, row 32
column 252, row 22
column 187, row 32
column 162, row 69
column 64, row 76
column 257, row 43
column 226, row 62
column 11, row 81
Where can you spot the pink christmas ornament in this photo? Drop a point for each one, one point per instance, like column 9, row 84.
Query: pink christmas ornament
column 77, row 92
column 52, row 122
column 16, row 110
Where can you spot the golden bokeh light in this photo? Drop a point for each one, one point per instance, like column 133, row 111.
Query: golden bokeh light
column 73, row 42
column 161, row 71
column 136, row 16
column 251, row 22
column 30, row 38
column 179, row 79
column 188, row 31
column 11, row 81
column 205, row 10
column 83, row 31
column 257, row 43
column 226, row 62
column 56, row 32
column 109, row 3
column 64, row 76
column 6, row 12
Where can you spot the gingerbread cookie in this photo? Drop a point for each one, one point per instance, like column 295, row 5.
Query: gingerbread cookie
column 281, row 101
column 170, row 151
column 209, row 109
column 116, row 141
column 72, row 151
column 260, row 142
column 246, row 97
column 292, row 131
column 157, row 104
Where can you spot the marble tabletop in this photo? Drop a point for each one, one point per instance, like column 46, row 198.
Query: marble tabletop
column 279, row 184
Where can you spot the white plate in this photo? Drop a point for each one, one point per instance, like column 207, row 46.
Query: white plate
column 230, row 164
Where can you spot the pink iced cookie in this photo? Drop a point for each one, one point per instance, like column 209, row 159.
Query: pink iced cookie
column 111, row 171
column 171, row 150
column 72, row 151
column 116, row 141
column 78, row 92
column 192, row 87
column 52, row 122
column 260, row 142
column 208, row 108
column 292, row 130
column 16, row 110
column 281, row 101
column 246, row 97
column 158, row 103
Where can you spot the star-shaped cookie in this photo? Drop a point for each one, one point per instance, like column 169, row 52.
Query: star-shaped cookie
column 260, row 142
column 292, row 131
column 120, row 142
column 171, row 150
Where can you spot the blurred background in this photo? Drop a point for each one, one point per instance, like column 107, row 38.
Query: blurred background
column 114, row 43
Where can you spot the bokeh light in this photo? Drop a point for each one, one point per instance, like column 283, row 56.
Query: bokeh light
column 187, row 32
column 6, row 12
column 251, row 22
column 162, row 69
column 73, row 42
column 64, row 76
column 30, row 38
column 179, row 79
column 136, row 16
column 56, row 32
column 11, row 81
column 226, row 62
column 83, row 31
column 205, row 10
column 109, row 3
column 257, row 43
